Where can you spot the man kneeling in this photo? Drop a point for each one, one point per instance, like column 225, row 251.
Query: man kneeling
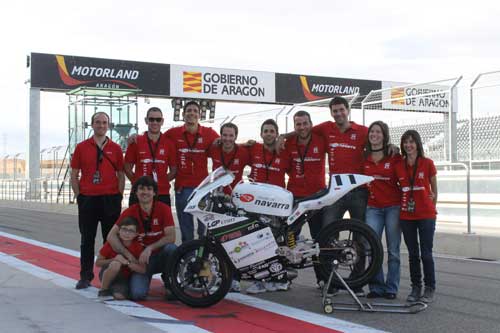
column 156, row 232
column 115, row 268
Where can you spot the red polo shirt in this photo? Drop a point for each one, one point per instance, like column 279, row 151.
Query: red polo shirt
column 268, row 167
column 85, row 159
column 191, row 154
column 384, row 190
column 345, row 150
column 161, row 217
column 235, row 161
column 149, row 156
column 135, row 248
column 307, row 166
column 424, row 206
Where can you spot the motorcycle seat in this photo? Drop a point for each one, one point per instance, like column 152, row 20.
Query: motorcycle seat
column 311, row 197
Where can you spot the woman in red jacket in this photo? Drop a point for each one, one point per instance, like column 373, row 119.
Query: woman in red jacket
column 417, row 179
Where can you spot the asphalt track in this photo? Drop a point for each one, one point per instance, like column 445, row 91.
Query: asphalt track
column 468, row 293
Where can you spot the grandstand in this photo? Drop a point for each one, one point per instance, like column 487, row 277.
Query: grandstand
column 486, row 138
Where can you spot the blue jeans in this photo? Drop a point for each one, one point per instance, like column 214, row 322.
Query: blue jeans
column 422, row 230
column 388, row 218
column 139, row 283
column 185, row 219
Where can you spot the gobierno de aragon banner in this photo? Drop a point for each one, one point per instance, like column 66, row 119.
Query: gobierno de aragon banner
column 62, row 72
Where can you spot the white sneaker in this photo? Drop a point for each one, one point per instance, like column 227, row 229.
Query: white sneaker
column 282, row 286
column 235, row 286
column 270, row 286
column 257, row 287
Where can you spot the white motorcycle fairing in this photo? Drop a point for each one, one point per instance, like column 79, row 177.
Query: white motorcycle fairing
column 340, row 184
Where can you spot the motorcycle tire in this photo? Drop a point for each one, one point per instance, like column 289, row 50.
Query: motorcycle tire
column 357, row 249
column 199, row 273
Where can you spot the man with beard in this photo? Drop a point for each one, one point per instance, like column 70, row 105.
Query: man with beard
column 306, row 151
column 156, row 231
column 268, row 166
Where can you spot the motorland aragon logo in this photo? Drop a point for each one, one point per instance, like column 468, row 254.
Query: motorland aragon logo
column 100, row 77
column 222, row 84
column 321, row 90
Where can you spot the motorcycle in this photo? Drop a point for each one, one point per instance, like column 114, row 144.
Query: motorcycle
column 254, row 233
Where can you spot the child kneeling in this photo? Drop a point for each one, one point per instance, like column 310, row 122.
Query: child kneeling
column 115, row 268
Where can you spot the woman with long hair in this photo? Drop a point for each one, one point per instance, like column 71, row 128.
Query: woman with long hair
column 383, row 206
column 417, row 179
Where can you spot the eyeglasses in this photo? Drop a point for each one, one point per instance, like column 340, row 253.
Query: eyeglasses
column 158, row 120
column 128, row 231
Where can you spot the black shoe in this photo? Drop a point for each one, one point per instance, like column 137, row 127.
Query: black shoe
column 373, row 294
column 170, row 296
column 82, row 284
column 104, row 293
column 390, row 295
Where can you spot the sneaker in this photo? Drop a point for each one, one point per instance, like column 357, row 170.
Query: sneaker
column 416, row 293
column 235, row 286
column 256, row 288
column 282, row 286
column 270, row 286
column 82, row 284
column 104, row 293
column 359, row 292
column 428, row 296
column 321, row 284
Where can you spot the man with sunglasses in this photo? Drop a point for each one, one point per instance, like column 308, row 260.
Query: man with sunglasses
column 156, row 232
column 151, row 154
column 97, row 180
column 192, row 142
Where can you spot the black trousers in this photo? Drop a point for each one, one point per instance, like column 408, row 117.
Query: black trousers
column 165, row 198
column 92, row 210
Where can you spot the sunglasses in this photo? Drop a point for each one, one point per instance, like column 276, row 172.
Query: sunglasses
column 152, row 119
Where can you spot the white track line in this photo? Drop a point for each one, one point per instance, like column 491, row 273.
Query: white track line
column 137, row 310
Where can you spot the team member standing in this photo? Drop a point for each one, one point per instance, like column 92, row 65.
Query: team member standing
column 417, row 178
column 151, row 155
column 383, row 206
column 306, row 151
column 268, row 166
column 192, row 142
column 98, row 181
column 156, row 231
column 229, row 155
column 345, row 145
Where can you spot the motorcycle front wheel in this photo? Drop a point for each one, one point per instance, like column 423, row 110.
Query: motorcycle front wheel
column 199, row 273
column 354, row 248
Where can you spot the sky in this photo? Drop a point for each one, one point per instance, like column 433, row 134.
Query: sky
column 380, row 40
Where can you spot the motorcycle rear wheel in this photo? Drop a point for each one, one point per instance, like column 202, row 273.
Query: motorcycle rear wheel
column 357, row 249
column 199, row 274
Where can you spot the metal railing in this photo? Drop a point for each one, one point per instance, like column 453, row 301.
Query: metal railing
column 467, row 171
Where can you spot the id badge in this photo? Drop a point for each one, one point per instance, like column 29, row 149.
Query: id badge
column 411, row 206
column 155, row 176
column 96, row 179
